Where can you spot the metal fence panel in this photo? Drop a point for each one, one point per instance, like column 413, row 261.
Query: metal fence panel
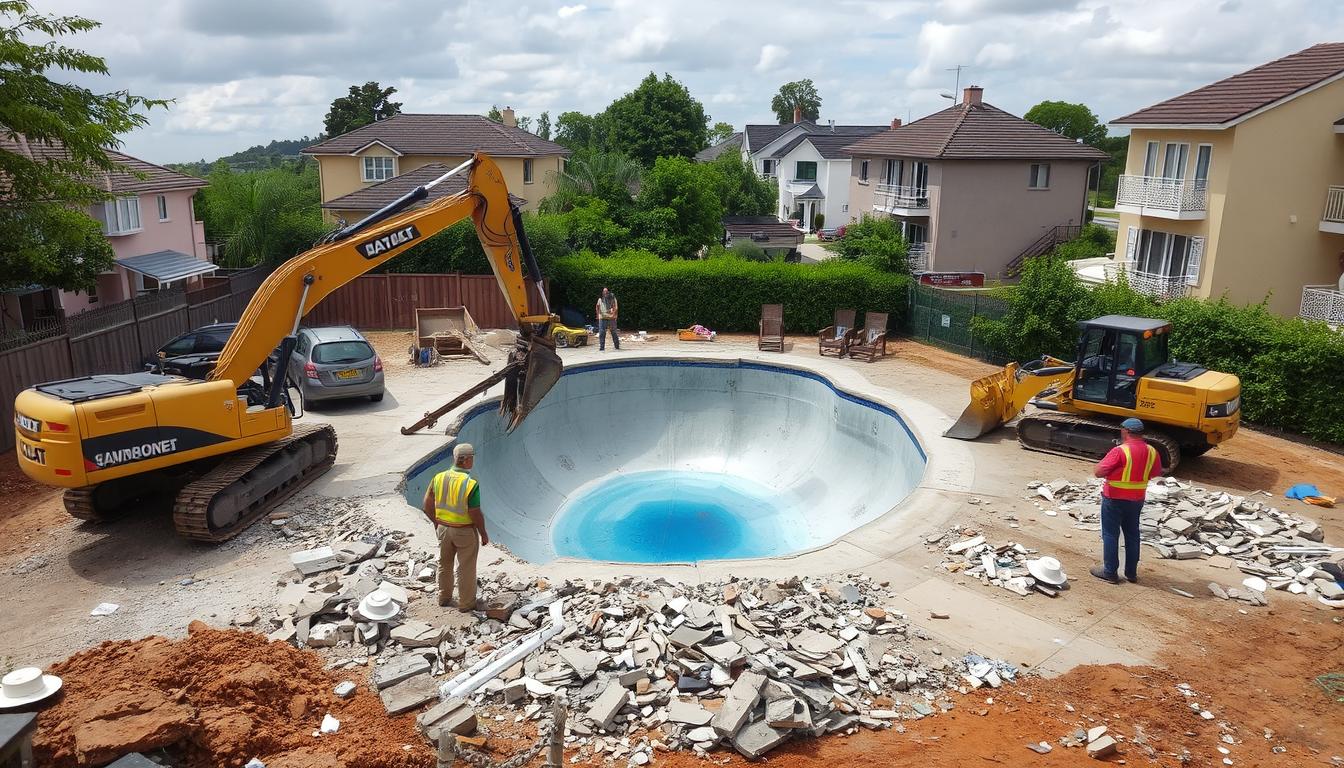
column 946, row 319
column 45, row 360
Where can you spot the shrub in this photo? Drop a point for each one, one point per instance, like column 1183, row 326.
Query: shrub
column 745, row 249
column 877, row 242
column 1093, row 241
column 1043, row 311
column 726, row 292
column 818, row 221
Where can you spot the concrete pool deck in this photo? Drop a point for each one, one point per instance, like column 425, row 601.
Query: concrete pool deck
column 889, row 549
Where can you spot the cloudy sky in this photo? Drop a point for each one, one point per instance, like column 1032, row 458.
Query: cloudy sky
column 243, row 72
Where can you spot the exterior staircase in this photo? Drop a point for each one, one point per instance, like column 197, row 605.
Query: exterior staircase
column 1047, row 242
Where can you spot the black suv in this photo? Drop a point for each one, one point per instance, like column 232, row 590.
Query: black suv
column 193, row 353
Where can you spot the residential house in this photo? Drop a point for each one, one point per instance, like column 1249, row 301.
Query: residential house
column 359, row 162
column 710, row 154
column 1236, row 189
column 151, row 225
column 972, row 186
column 808, row 163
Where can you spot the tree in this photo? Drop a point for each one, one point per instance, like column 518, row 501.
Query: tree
column 801, row 94
column 677, row 211
column 544, row 125
column 720, row 133
column 364, row 104
column 48, row 237
column 1073, row 120
column 262, row 216
column 576, row 130
column 1043, row 312
column 741, row 191
column 494, row 114
column 659, row 118
column 877, row 242
column 608, row 176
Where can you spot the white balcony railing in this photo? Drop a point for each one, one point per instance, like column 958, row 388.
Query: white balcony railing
column 918, row 257
column 888, row 197
column 1149, row 283
column 1333, row 217
column 1322, row 302
column 1159, row 196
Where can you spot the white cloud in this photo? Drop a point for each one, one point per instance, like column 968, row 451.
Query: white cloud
column 249, row 71
column 771, row 57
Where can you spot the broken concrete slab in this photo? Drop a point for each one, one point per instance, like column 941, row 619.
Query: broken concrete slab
column 582, row 662
column 758, row 738
column 409, row 694
column 453, row 715
column 739, row 702
column 605, row 708
column 416, row 634
column 311, row 562
column 398, row 669
column 788, row 714
column 1102, row 747
column 688, row 713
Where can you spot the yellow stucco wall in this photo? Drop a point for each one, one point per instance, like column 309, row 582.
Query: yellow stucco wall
column 342, row 174
column 1263, row 173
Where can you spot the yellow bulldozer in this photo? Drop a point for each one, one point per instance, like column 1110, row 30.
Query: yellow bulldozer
column 1123, row 368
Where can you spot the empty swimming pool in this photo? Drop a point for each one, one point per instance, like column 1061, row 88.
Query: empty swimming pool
column 658, row 461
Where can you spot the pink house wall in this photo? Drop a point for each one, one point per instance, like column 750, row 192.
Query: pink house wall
column 181, row 233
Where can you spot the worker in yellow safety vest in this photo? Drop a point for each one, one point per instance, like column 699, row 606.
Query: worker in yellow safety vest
column 453, row 503
column 1126, row 469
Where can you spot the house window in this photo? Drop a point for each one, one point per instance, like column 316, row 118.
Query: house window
column 1161, row 253
column 805, row 170
column 93, row 292
column 1173, row 163
column 1040, row 176
column 767, row 167
column 121, row 216
column 919, row 177
column 1150, row 159
column 891, row 172
column 1203, row 158
column 844, row 208
column 863, row 170
column 378, row 168
column 527, row 170
column 162, row 201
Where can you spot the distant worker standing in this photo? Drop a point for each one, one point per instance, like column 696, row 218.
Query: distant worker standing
column 1126, row 470
column 453, row 503
column 607, row 309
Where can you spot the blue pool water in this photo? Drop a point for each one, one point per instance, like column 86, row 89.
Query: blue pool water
column 672, row 517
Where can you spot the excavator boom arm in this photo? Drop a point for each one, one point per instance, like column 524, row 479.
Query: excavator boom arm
column 298, row 285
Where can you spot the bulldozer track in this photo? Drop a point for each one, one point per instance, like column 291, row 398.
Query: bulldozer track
column 79, row 503
column 1072, row 424
column 191, row 510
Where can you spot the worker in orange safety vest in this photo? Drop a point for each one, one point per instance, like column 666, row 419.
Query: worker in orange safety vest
column 1126, row 468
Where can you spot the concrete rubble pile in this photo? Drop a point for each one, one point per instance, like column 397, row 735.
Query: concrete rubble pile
column 1276, row 550
column 643, row 665
column 969, row 553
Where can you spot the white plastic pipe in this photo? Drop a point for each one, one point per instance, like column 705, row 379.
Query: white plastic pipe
column 488, row 668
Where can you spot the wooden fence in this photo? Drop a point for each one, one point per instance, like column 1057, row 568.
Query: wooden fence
column 119, row 338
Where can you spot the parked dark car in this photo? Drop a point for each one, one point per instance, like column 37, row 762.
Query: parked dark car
column 335, row 363
column 193, row 353
column 831, row 233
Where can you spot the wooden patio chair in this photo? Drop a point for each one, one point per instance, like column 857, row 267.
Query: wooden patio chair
column 771, row 337
column 872, row 341
column 835, row 339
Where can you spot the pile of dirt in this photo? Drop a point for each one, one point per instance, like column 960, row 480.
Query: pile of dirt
column 217, row 698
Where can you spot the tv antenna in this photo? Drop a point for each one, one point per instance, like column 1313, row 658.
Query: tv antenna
column 957, row 69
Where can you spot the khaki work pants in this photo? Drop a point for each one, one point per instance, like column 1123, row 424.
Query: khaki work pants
column 463, row 544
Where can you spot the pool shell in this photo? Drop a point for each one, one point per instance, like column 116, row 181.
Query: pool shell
column 833, row 461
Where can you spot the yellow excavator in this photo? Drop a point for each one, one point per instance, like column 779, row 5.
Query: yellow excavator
column 226, row 446
column 1123, row 368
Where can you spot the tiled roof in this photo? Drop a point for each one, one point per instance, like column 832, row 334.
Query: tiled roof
column 453, row 135
column 1238, row 95
column 830, row 145
column 167, row 266
column 766, row 227
column 156, row 177
column 373, row 197
column 709, row 154
column 974, row 132
column 760, row 135
column 811, row 193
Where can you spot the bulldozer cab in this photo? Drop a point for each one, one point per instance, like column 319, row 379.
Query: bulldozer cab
column 1114, row 352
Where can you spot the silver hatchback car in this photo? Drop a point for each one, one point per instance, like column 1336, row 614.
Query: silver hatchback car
column 335, row 363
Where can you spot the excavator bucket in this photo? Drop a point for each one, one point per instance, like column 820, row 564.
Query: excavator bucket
column 535, row 371
column 991, row 398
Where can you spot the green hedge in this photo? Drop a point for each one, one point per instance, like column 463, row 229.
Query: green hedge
column 725, row 293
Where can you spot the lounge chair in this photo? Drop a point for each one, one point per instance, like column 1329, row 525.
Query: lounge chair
column 872, row 341
column 835, row 339
column 771, row 337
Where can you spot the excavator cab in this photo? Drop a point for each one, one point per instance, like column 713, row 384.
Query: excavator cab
column 1114, row 352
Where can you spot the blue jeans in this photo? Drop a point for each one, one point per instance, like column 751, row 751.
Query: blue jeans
column 1119, row 516
column 602, row 327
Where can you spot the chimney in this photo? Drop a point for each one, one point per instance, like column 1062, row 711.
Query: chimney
column 832, row 124
column 797, row 114
column 506, row 116
column 972, row 95
column 895, row 122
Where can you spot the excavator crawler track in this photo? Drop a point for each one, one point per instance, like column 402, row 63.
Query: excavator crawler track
column 79, row 503
column 224, row 501
column 1068, row 434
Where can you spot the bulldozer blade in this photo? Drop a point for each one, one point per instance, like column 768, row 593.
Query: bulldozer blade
column 990, row 396
column 530, row 380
